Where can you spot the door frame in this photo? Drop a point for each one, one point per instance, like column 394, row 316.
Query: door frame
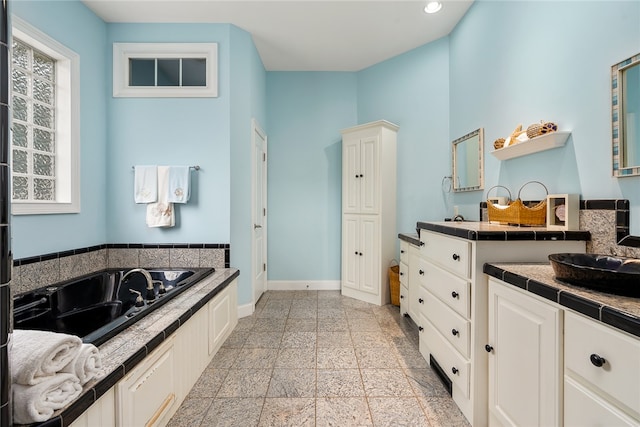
column 256, row 129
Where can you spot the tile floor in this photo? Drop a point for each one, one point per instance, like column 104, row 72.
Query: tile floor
column 316, row 358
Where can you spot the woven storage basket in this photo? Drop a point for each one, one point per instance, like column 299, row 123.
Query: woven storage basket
column 394, row 284
column 517, row 213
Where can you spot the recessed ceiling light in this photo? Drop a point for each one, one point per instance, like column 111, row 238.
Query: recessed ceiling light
column 433, row 7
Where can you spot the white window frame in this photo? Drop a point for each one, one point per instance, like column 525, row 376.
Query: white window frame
column 67, row 123
column 123, row 52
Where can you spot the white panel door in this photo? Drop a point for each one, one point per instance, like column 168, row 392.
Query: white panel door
column 525, row 362
column 369, row 254
column 351, row 175
column 351, row 255
column 369, row 175
column 259, row 212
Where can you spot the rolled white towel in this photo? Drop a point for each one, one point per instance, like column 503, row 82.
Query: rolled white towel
column 87, row 365
column 36, row 355
column 37, row 403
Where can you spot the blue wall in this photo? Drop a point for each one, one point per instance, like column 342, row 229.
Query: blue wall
column 81, row 31
column 248, row 101
column 306, row 112
column 171, row 131
column 557, row 69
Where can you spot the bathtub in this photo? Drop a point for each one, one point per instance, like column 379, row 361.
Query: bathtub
column 98, row 306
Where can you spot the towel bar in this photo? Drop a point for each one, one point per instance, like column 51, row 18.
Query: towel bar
column 196, row 167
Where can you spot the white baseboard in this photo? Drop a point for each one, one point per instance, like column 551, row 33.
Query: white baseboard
column 245, row 310
column 303, row 285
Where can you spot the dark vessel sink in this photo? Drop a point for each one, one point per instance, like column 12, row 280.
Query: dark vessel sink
column 610, row 274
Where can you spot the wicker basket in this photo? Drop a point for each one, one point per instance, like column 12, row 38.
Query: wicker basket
column 517, row 213
column 394, row 284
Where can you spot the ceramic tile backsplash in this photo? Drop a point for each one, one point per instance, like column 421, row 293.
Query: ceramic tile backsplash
column 36, row 272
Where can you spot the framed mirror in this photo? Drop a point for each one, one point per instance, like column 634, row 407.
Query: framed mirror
column 625, row 117
column 468, row 162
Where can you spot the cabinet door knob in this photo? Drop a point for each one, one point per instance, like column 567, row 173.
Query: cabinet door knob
column 356, row 252
column 454, row 294
column 456, row 257
column 401, row 251
column 454, row 332
column 420, row 300
column 421, row 272
column 454, row 370
column 360, row 254
column 357, row 176
column 597, row 360
column 361, row 176
column 401, row 273
column 420, row 328
column 401, row 296
column 488, row 348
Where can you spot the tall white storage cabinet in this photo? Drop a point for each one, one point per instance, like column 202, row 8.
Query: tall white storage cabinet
column 368, row 210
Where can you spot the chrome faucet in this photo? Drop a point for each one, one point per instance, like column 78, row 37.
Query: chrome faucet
column 150, row 292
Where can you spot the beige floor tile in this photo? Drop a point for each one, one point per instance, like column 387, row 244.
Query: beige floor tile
column 288, row 412
column 339, row 383
column 342, row 411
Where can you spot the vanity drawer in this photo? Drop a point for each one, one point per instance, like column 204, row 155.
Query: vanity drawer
column 452, row 363
column 404, row 251
column 450, row 289
column 619, row 376
column 404, row 273
column 451, row 325
column 451, row 253
column 584, row 408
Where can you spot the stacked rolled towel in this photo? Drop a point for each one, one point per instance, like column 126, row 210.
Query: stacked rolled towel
column 87, row 365
column 45, row 372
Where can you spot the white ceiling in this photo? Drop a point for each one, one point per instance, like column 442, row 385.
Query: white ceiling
column 306, row 35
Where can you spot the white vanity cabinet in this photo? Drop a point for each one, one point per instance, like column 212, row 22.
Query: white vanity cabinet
column 452, row 299
column 602, row 374
column 101, row 414
column 368, row 210
column 525, row 358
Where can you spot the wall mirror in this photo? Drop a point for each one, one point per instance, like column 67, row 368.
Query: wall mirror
column 468, row 163
column 625, row 117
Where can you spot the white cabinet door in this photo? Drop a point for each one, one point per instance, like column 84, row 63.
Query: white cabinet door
column 101, row 414
column 350, row 254
column 351, row 175
column 147, row 395
column 370, row 254
column 369, row 175
column 525, row 363
column 220, row 319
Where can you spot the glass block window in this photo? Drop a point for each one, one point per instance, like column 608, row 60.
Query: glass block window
column 34, row 105
column 165, row 70
column 45, row 128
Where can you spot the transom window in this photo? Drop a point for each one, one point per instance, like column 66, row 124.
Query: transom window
column 34, row 142
column 165, row 70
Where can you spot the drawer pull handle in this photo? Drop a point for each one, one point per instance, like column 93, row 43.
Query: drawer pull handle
column 488, row 348
column 454, row 370
column 456, row 257
column 421, row 272
column 401, row 296
column 360, row 253
column 454, row 332
column 401, row 251
column 420, row 300
column 597, row 361
column 421, row 243
column 401, row 273
column 356, row 252
column 420, row 328
column 454, row 294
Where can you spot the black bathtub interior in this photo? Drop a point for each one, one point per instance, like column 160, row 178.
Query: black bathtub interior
column 98, row 306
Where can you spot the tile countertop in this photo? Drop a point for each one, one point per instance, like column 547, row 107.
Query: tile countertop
column 124, row 351
column 617, row 311
column 477, row 230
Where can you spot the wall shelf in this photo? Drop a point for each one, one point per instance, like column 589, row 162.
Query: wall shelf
column 534, row 145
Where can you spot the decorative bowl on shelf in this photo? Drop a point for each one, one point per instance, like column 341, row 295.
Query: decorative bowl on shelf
column 611, row 274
